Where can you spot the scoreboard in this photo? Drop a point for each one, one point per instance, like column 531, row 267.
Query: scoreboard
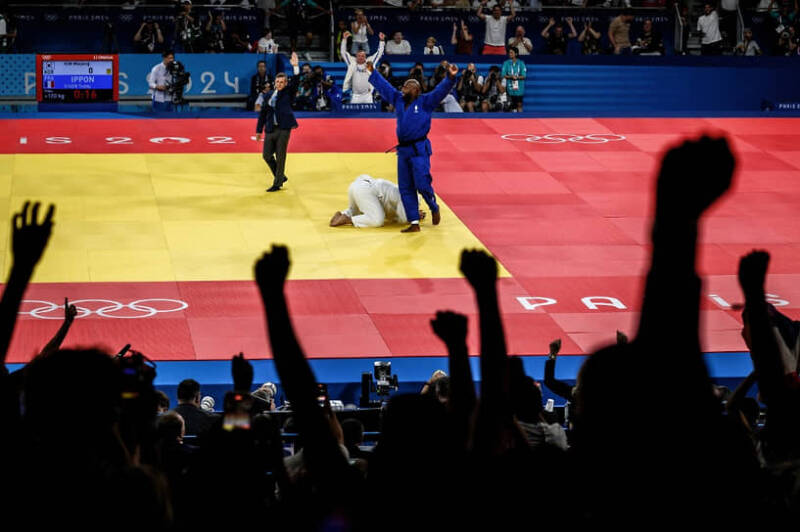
column 77, row 78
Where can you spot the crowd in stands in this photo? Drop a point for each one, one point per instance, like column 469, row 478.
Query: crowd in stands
column 204, row 29
column 87, row 441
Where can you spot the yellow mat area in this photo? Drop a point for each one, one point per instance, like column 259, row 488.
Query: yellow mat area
column 193, row 217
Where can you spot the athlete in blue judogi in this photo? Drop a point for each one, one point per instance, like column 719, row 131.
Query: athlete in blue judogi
column 413, row 111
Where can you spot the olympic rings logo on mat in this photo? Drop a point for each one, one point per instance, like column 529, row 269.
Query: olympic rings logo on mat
column 560, row 138
column 104, row 308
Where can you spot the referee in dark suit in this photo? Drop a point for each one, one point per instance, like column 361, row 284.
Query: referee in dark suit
column 278, row 119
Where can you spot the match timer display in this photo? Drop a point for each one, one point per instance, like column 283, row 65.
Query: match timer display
column 77, row 78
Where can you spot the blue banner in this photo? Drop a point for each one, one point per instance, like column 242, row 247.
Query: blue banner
column 211, row 74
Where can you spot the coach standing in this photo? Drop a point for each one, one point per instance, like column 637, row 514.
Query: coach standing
column 278, row 119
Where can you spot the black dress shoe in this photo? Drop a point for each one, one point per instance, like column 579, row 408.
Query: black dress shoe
column 273, row 188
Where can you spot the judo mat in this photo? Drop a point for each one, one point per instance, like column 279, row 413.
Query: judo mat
column 159, row 222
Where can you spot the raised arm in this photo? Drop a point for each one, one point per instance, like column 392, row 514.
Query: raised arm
column 546, row 31
column 324, row 459
column 432, row 99
column 561, row 389
column 343, row 48
column 376, row 57
column 451, row 328
column 29, row 239
column 384, row 88
column 480, row 10
column 454, row 38
column 572, row 33
column 55, row 343
column 764, row 348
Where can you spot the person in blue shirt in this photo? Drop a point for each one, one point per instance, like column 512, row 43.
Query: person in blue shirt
column 514, row 72
column 413, row 110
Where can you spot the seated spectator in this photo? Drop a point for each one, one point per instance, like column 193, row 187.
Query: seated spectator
column 215, row 33
column 148, row 39
column 266, row 44
column 470, row 88
column 523, row 44
column 461, row 38
column 353, row 431
column 514, row 72
column 240, row 40
column 163, row 402
column 748, row 46
column 197, row 421
column 174, row 456
column 431, row 48
column 526, row 396
column 8, row 32
column 589, row 39
column 557, row 41
column 619, row 33
column 260, row 83
column 398, row 45
column 787, row 44
column 649, row 42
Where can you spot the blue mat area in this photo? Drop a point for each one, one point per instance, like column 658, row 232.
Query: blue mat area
column 600, row 113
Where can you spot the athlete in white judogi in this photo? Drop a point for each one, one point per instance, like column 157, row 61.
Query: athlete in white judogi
column 373, row 202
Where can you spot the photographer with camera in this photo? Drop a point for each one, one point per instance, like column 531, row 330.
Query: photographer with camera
column 470, row 87
column 186, row 30
column 160, row 80
column 494, row 97
column 215, row 33
column 149, row 38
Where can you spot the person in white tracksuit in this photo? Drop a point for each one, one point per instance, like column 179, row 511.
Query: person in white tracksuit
column 373, row 202
column 357, row 74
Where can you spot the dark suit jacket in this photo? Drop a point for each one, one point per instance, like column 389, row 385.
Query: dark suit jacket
column 197, row 420
column 282, row 111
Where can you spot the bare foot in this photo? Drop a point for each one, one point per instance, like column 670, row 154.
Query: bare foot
column 413, row 228
column 436, row 217
column 340, row 219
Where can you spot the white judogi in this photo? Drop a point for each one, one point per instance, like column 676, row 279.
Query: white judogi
column 357, row 75
column 373, row 202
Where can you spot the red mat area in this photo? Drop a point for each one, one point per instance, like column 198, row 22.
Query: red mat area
column 563, row 203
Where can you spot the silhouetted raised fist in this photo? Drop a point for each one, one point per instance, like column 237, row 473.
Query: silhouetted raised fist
column 478, row 267
column 693, row 176
column 450, row 327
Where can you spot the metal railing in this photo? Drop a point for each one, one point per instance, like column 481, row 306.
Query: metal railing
column 679, row 29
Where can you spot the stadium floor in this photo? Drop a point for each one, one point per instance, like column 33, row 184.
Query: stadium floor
column 159, row 222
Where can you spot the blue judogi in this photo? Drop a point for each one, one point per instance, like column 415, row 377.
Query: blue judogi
column 413, row 149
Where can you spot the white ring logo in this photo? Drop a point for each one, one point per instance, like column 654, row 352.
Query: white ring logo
column 560, row 138
column 105, row 308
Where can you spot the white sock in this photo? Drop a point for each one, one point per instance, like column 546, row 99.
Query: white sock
column 415, row 222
